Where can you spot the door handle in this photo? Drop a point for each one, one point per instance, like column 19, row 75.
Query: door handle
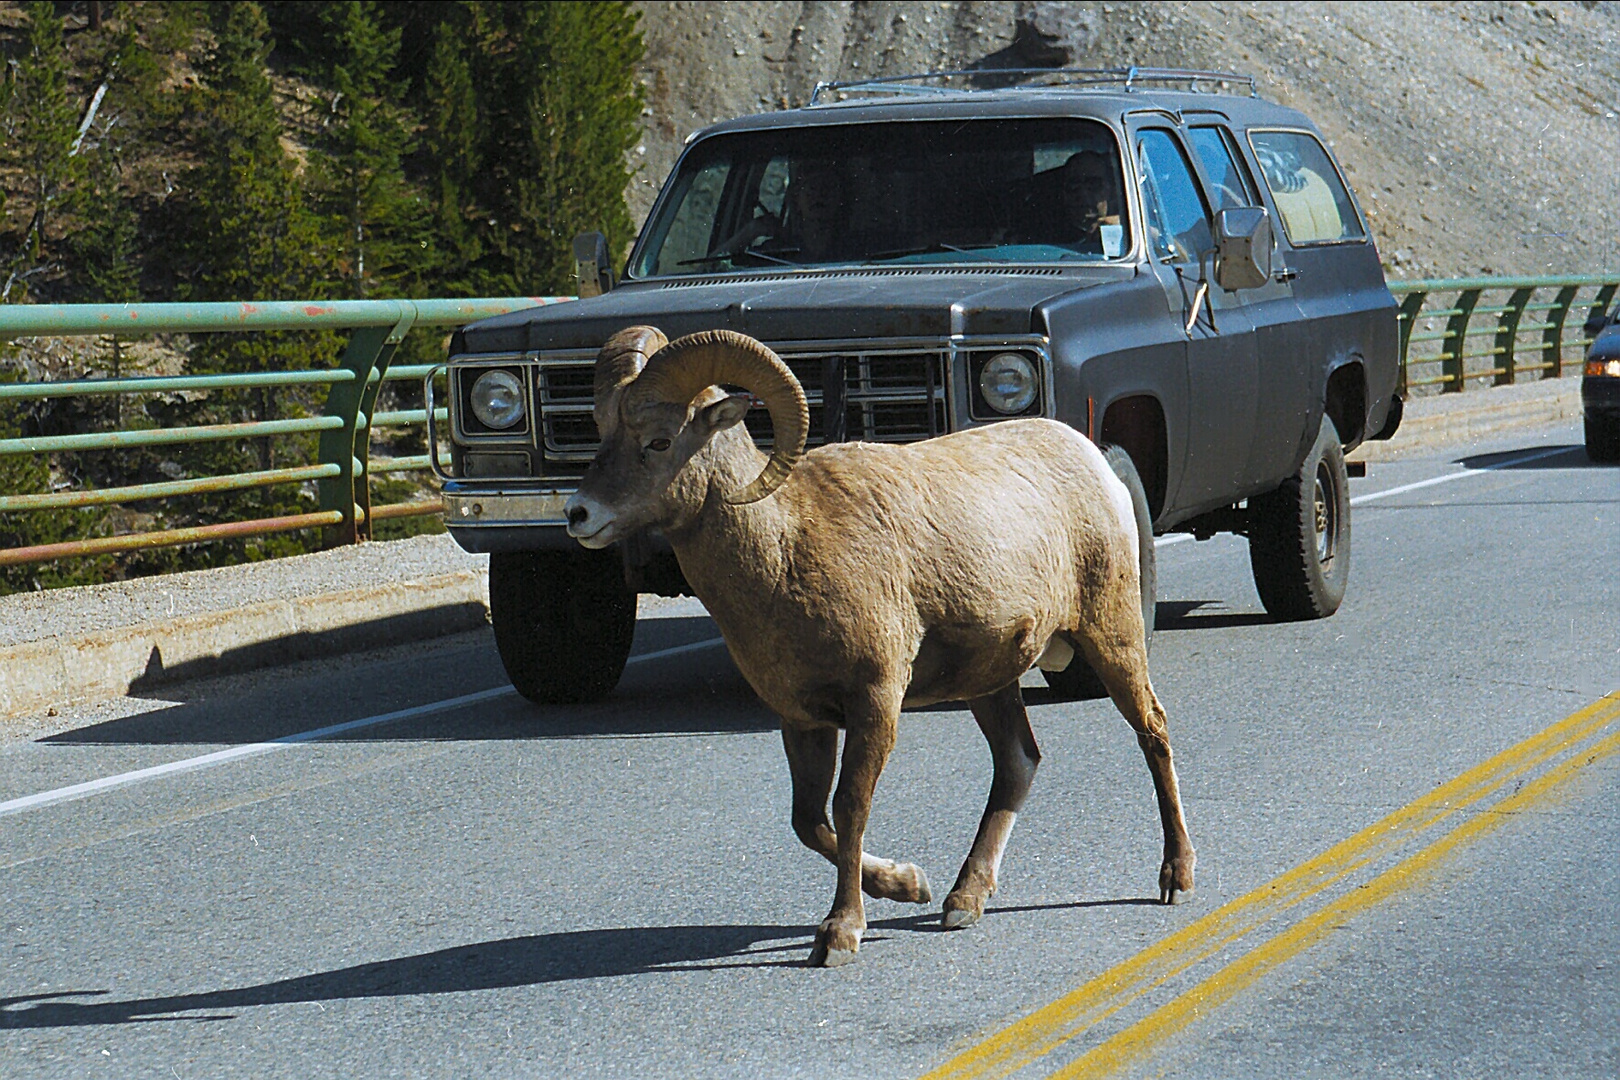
column 1286, row 274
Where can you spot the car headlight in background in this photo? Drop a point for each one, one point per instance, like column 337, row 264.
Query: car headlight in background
column 497, row 400
column 1601, row 368
column 1008, row 383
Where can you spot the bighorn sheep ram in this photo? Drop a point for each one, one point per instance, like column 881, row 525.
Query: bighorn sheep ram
column 859, row 578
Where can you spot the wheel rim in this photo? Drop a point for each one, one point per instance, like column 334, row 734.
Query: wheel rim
column 1324, row 513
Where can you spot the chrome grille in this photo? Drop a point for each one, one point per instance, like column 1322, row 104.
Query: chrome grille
column 888, row 395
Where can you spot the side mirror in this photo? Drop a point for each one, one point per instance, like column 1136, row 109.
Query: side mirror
column 1595, row 322
column 1242, row 247
column 593, row 267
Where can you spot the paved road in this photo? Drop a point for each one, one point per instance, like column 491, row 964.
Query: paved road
column 1405, row 818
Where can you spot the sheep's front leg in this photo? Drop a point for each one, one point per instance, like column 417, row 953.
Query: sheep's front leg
column 812, row 755
column 1005, row 723
column 868, row 738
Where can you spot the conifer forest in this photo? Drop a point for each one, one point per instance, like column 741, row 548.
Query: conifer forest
column 184, row 151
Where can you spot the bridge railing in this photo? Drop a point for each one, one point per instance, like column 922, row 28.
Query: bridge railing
column 343, row 468
column 1453, row 333
column 1492, row 330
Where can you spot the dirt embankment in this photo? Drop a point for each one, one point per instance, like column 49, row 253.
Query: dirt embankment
column 1480, row 137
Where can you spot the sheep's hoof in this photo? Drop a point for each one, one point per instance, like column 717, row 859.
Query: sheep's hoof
column 820, row 957
column 1176, row 879
column 961, row 910
column 921, row 893
column 905, row 882
column 835, row 945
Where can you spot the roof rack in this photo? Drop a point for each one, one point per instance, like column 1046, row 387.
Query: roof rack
column 1127, row 78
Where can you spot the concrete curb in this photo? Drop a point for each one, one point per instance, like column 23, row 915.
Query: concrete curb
column 62, row 670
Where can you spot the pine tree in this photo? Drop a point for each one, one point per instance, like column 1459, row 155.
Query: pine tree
column 561, row 109
column 244, row 230
column 452, row 143
column 358, row 177
column 250, row 233
column 39, row 127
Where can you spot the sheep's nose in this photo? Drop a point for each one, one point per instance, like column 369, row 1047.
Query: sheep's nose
column 577, row 516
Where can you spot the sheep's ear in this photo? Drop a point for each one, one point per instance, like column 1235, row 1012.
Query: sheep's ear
column 726, row 412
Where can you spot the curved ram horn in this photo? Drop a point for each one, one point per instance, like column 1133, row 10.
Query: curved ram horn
column 621, row 359
column 682, row 369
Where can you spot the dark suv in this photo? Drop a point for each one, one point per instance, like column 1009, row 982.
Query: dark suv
column 1169, row 266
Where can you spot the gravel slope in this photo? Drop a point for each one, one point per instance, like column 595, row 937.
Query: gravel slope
column 1480, row 137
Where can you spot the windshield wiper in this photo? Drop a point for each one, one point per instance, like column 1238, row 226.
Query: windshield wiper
column 933, row 249
column 704, row 259
column 732, row 257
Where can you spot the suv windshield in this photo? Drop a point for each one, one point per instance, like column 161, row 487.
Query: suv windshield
column 1047, row 190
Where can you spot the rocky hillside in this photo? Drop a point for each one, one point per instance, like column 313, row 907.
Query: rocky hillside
column 1480, row 137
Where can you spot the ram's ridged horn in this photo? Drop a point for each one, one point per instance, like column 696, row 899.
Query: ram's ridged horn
column 621, row 359
column 682, row 369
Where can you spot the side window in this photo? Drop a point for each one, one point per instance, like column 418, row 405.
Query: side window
column 1310, row 197
column 1177, row 219
column 1215, row 152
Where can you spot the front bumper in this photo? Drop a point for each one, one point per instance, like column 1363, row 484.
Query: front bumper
column 488, row 519
column 1600, row 395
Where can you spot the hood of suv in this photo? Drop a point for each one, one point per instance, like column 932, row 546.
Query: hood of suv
column 825, row 305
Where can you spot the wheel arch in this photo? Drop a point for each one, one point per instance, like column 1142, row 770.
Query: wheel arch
column 1136, row 423
column 1345, row 400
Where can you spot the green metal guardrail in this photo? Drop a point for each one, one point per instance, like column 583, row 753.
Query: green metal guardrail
column 343, row 469
column 1452, row 332
column 1450, row 338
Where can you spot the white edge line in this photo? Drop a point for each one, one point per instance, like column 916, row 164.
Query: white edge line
column 220, row 757
column 1535, row 455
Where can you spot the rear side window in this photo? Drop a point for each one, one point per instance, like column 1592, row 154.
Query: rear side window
column 1310, row 197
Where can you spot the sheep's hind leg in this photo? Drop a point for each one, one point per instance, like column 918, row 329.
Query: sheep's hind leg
column 1122, row 666
column 1005, row 723
column 812, row 755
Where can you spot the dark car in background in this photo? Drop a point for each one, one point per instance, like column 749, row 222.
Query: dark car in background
column 1600, row 388
column 1164, row 262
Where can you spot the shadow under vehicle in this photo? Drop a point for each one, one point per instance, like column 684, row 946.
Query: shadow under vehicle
column 1159, row 258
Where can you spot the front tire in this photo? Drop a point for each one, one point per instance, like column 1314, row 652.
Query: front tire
column 563, row 622
column 1299, row 535
column 1078, row 680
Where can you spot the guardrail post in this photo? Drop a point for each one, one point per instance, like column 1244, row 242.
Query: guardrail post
column 1451, row 359
column 338, row 446
column 1552, row 338
column 1507, row 335
column 368, row 406
column 1410, row 307
column 1600, row 305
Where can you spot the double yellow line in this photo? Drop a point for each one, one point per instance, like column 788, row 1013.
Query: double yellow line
column 1072, row 1015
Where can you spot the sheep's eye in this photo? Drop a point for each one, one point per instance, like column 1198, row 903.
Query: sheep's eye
column 659, row 445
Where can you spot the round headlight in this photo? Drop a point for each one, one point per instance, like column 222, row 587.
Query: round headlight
column 497, row 400
column 1008, row 383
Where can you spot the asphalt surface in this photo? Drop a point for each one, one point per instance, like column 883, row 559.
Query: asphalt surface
column 486, row 887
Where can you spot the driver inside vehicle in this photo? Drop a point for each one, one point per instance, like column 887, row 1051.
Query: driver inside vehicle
column 1091, row 199
column 808, row 227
